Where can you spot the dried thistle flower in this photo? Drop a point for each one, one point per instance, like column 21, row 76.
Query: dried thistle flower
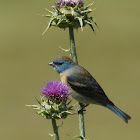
column 71, row 3
column 70, row 13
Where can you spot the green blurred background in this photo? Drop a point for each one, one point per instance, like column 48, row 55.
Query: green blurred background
column 112, row 56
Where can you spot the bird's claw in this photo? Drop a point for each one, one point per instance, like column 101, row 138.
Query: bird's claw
column 80, row 110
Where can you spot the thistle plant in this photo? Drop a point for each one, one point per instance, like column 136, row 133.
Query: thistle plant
column 72, row 14
column 54, row 103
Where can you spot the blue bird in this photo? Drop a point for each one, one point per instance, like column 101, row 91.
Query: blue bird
column 85, row 88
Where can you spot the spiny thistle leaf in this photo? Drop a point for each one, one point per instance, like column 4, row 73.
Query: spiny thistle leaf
column 45, row 15
column 86, row 11
column 34, row 106
column 93, row 20
column 81, row 22
column 92, row 27
column 88, row 6
column 69, row 102
column 78, row 137
column 49, row 11
column 72, row 11
column 88, row 22
column 59, row 21
column 38, row 101
column 49, row 25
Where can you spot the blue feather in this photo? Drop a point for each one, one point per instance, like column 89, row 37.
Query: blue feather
column 120, row 113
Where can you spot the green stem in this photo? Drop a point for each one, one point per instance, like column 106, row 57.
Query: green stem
column 72, row 45
column 80, row 105
column 55, row 129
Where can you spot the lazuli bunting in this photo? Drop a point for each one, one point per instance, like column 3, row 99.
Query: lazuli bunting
column 85, row 88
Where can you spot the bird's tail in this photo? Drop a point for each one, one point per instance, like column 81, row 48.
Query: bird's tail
column 120, row 113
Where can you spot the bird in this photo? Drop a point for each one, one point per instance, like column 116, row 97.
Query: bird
column 85, row 89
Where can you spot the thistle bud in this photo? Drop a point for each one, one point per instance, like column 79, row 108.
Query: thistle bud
column 70, row 13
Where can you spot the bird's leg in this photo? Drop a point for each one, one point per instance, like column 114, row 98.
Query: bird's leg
column 82, row 109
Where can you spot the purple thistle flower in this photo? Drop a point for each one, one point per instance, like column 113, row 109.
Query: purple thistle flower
column 56, row 90
column 71, row 3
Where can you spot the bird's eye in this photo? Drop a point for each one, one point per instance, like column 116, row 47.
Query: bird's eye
column 60, row 63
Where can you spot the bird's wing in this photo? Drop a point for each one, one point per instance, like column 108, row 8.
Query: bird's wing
column 81, row 81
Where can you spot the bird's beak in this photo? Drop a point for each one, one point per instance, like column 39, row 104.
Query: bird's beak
column 51, row 64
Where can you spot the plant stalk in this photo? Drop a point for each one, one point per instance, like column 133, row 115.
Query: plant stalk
column 55, row 129
column 80, row 105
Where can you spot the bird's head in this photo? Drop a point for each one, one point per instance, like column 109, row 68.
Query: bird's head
column 62, row 64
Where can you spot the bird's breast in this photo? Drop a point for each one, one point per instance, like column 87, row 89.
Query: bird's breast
column 63, row 77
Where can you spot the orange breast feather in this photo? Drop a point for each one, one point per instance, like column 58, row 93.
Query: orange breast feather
column 63, row 77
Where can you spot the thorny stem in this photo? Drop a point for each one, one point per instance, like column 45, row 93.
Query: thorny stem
column 55, row 129
column 80, row 105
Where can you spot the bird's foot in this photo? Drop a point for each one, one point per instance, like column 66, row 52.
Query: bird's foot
column 82, row 109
